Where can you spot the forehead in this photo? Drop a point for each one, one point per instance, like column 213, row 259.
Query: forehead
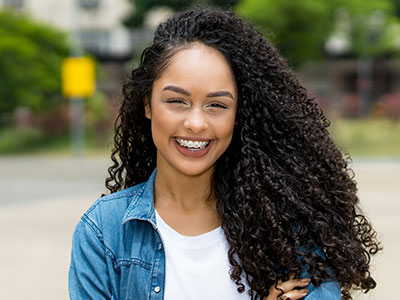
column 198, row 65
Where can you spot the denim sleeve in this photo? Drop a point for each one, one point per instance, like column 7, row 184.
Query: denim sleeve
column 328, row 290
column 88, row 271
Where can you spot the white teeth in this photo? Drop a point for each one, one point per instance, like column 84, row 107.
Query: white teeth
column 193, row 145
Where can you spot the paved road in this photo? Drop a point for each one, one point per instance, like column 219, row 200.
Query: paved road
column 43, row 198
column 27, row 178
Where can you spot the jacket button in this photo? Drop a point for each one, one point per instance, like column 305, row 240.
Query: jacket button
column 157, row 289
column 159, row 246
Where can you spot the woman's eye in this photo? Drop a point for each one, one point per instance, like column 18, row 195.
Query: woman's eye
column 218, row 105
column 176, row 101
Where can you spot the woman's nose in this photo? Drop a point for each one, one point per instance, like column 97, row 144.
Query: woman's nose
column 195, row 120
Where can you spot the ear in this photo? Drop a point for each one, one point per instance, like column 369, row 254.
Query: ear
column 147, row 110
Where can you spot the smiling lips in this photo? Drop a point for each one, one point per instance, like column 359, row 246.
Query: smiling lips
column 193, row 148
column 192, row 145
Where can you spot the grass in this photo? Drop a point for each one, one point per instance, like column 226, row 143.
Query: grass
column 367, row 137
column 17, row 140
column 33, row 141
column 358, row 137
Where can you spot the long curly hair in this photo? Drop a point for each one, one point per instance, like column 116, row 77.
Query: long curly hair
column 285, row 193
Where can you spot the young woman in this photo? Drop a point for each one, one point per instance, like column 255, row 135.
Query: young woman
column 225, row 182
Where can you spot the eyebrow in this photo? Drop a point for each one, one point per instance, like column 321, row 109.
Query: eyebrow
column 180, row 90
column 176, row 89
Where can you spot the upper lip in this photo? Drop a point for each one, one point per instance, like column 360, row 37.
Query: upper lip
column 192, row 138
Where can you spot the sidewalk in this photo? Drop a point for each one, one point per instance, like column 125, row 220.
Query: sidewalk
column 36, row 234
column 379, row 193
column 42, row 201
column 36, row 241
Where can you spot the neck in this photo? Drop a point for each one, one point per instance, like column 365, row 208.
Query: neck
column 184, row 192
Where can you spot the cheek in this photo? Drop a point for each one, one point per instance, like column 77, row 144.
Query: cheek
column 162, row 125
column 225, row 128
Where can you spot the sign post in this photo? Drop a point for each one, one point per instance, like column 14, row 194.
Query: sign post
column 78, row 82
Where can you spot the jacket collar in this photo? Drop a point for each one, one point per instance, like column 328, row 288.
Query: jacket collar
column 141, row 206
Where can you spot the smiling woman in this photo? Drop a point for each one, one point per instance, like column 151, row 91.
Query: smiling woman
column 225, row 183
column 192, row 124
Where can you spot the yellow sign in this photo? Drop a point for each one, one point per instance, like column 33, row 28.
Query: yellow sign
column 78, row 77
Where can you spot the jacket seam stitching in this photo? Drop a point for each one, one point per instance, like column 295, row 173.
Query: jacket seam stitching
column 99, row 235
column 135, row 199
column 125, row 262
column 122, row 193
column 106, row 199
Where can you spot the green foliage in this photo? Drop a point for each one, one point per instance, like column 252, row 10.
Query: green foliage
column 30, row 63
column 396, row 4
column 99, row 119
column 370, row 21
column 143, row 6
column 20, row 139
column 50, row 131
column 301, row 28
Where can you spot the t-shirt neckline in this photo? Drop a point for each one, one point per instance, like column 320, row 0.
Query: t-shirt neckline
column 203, row 240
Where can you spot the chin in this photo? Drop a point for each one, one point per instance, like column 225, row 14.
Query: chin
column 193, row 171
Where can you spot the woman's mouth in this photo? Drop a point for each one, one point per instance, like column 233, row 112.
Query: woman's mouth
column 195, row 148
column 192, row 145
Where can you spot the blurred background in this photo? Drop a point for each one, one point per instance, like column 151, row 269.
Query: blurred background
column 56, row 124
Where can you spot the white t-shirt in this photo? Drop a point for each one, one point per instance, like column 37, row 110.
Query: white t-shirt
column 197, row 267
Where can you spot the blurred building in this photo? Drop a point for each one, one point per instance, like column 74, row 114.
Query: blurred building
column 338, row 87
column 97, row 24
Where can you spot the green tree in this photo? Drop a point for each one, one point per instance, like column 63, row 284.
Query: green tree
column 30, row 63
column 370, row 24
column 396, row 4
column 143, row 6
column 297, row 28
column 301, row 28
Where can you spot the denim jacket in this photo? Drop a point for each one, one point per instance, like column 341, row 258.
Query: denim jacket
column 118, row 254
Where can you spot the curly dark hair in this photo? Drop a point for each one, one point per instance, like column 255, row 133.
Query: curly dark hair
column 285, row 193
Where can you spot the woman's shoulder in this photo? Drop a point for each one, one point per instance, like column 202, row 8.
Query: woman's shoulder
column 109, row 210
column 98, row 235
column 115, row 199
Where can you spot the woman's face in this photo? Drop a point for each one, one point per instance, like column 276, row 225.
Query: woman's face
column 192, row 110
